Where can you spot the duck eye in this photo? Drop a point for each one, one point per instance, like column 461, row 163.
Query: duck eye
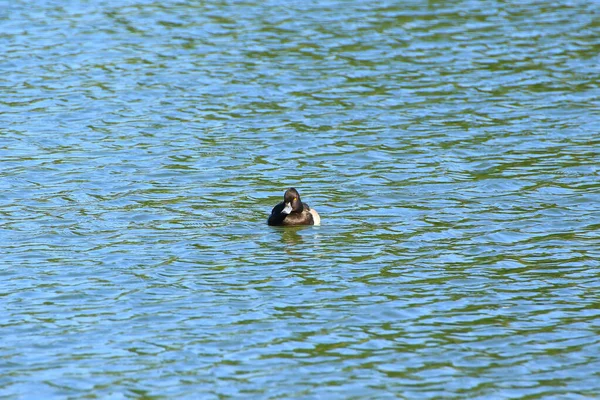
column 295, row 198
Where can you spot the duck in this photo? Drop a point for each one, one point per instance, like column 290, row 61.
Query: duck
column 292, row 211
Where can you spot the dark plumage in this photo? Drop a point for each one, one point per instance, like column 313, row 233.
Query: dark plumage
column 292, row 211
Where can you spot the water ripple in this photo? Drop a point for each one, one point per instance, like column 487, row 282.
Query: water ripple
column 451, row 150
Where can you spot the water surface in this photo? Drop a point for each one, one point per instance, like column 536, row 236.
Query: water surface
column 451, row 149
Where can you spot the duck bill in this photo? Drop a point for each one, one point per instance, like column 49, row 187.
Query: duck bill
column 287, row 209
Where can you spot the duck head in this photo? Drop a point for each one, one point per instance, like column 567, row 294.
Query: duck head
column 292, row 202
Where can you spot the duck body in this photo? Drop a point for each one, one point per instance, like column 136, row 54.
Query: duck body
column 292, row 211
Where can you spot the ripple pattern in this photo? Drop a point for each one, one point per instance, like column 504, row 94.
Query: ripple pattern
column 451, row 149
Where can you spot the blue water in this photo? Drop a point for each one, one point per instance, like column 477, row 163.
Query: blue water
column 451, row 149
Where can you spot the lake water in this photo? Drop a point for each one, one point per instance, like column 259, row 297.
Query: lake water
column 452, row 149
